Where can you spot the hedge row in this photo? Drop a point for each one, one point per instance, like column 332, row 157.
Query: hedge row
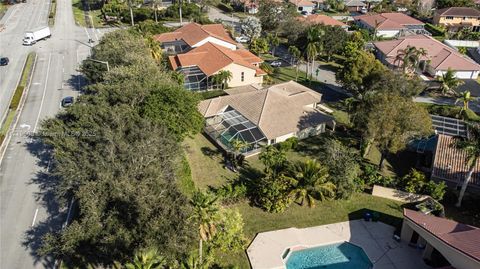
column 436, row 31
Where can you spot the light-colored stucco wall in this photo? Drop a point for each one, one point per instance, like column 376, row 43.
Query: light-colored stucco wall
column 217, row 42
column 456, row 258
column 387, row 33
column 460, row 74
column 457, row 20
column 249, row 75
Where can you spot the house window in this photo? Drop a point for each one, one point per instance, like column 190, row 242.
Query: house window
column 242, row 78
column 449, row 17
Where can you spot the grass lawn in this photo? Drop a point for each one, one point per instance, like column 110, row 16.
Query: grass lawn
column 79, row 15
column 207, row 170
column 205, row 161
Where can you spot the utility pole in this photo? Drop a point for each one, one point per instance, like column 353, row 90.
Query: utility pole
column 180, row 11
column 131, row 12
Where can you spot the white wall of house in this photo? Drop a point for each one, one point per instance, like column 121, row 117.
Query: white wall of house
column 248, row 75
column 216, row 41
column 387, row 33
column 459, row 74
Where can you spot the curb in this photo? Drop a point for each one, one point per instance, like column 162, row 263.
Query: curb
column 8, row 135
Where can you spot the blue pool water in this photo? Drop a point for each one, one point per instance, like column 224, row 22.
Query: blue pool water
column 336, row 256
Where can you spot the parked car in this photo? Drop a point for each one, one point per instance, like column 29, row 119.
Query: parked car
column 67, row 101
column 276, row 63
column 242, row 39
column 4, row 61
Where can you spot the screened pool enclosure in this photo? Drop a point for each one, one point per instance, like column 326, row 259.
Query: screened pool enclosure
column 229, row 126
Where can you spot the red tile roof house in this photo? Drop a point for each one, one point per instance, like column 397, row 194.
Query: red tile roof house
column 201, row 63
column 303, row 5
column 457, row 244
column 194, row 35
column 322, row 19
column 438, row 60
column 449, row 164
column 390, row 24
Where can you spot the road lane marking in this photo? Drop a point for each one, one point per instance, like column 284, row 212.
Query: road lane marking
column 44, row 91
column 35, row 217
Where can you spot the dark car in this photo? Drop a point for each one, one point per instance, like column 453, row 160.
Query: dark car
column 4, row 61
column 67, row 101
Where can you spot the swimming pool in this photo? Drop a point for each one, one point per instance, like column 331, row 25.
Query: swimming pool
column 336, row 256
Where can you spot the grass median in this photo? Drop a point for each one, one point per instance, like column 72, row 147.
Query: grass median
column 17, row 95
column 52, row 13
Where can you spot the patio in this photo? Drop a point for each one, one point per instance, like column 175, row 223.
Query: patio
column 375, row 238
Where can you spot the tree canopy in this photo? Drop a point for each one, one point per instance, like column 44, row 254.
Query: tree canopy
column 116, row 153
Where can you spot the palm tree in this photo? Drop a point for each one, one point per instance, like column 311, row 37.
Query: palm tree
column 410, row 58
column 310, row 177
column 274, row 42
column 154, row 47
column 147, row 259
column 471, row 147
column 205, row 212
column 295, row 52
column 238, row 146
column 449, row 82
column 314, row 46
column 222, row 77
column 465, row 97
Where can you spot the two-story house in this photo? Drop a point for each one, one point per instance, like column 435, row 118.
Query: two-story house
column 202, row 63
column 390, row 24
column 194, row 35
column 457, row 18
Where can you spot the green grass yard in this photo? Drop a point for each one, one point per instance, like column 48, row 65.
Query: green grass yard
column 79, row 15
column 207, row 170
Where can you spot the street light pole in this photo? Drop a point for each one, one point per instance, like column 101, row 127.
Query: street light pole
column 102, row 62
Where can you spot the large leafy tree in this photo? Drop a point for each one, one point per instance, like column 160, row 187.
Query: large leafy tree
column 333, row 41
column 343, row 167
column 118, row 48
column 471, row 147
column 175, row 108
column 119, row 168
column 391, row 120
column 359, row 70
column 251, row 27
column 273, row 14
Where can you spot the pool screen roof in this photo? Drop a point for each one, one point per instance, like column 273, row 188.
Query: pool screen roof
column 449, row 126
column 231, row 125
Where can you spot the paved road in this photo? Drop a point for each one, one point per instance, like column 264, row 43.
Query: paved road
column 474, row 105
column 215, row 14
column 26, row 211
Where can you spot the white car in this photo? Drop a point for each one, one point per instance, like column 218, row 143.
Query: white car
column 242, row 39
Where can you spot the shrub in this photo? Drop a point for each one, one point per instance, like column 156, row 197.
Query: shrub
column 289, row 144
column 225, row 7
column 416, row 182
column 436, row 31
column 435, row 190
column 273, row 193
column 231, row 193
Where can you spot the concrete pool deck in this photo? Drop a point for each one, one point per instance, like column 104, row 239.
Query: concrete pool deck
column 267, row 249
